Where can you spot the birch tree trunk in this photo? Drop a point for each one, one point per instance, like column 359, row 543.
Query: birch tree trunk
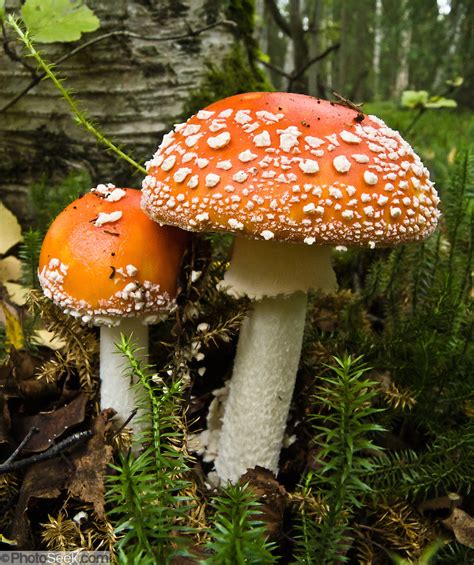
column 134, row 89
column 378, row 37
column 402, row 77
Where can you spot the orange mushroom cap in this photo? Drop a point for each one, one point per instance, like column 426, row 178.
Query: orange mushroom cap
column 294, row 168
column 103, row 259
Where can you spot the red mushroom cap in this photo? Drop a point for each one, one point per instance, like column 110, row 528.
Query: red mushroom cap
column 294, row 168
column 103, row 259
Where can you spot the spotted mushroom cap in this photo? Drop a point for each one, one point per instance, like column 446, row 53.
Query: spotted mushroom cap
column 103, row 259
column 293, row 168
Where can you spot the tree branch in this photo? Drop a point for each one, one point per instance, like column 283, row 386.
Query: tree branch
column 23, row 442
column 280, row 20
column 48, row 454
column 295, row 75
column 276, row 69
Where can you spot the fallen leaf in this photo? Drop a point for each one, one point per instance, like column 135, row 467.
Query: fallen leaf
column 10, row 269
column 80, row 471
column 91, row 460
column 4, row 422
column 46, row 338
column 22, row 365
column 45, row 480
column 7, row 541
column 13, row 329
column 462, row 525
column 51, row 425
column 272, row 497
column 11, row 230
column 18, row 293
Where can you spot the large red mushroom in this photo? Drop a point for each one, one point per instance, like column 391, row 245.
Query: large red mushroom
column 289, row 176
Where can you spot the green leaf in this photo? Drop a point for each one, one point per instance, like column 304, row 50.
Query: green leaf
column 2, row 9
column 414, row 98
column 440, row 102
column 456, row 81
column 50, row 21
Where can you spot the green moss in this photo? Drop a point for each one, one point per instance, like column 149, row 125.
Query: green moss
column 232, row 76
column 238, row 72
column 242, row 12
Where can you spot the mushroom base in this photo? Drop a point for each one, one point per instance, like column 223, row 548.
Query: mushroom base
column 115, row 384
column 262, row 385
column 269, row 268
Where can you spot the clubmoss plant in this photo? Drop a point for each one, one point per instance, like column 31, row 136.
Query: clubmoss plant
column 343, row 429
column 146, row 489
column 237, row 535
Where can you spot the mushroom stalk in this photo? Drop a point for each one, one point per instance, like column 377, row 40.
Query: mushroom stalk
column 116, row 386
column 262, row 386
column 277, row 277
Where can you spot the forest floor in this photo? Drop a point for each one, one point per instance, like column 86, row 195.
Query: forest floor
column 395, row 308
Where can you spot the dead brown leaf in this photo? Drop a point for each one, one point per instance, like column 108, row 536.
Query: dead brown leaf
column 462, row 525
column 4, row 421
column 80, row 474
column 90, row 461
column 271, row 495
column 51, row 425
column 44, row 480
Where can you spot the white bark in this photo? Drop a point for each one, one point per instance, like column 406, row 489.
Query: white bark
column 378, row 37
column 403, row 77
column 115, row 381
column 132, row 88
column 262, row 386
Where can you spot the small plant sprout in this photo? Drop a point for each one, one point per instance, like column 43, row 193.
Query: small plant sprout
column 105, row 262
column 289, row 176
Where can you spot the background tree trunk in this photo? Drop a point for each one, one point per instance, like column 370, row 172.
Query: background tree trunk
column 378, row 37
column 133, row 89
column 402, row 77
column 314, row 15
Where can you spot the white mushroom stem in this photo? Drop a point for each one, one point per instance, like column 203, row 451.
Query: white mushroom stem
column 115, row 383
column 269, row 348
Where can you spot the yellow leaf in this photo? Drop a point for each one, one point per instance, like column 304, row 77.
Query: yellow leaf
column 48, row 339
column 13, row 329
column 10, row 269
column 16, row 292
column 452, row 155
column 3, row 539
column 10, row 233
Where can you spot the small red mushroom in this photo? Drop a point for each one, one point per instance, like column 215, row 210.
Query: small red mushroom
column 105, row 262
column 288, row 175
